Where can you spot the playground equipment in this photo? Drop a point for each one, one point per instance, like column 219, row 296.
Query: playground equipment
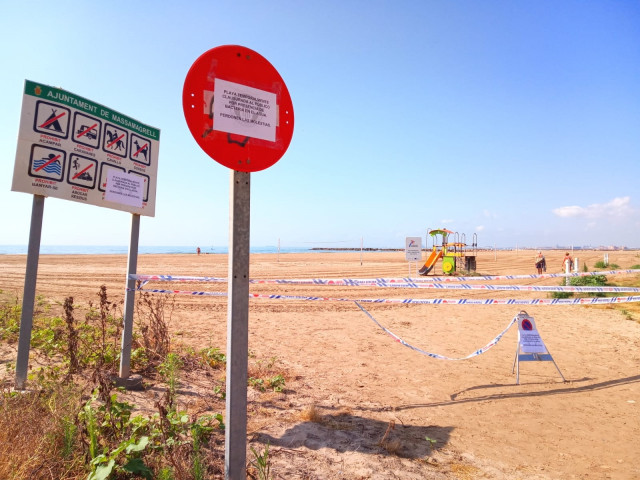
column 437, row 251
column 449, row 252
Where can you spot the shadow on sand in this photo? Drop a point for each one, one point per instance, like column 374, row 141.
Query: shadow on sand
column 344, row 432
column 570, row 389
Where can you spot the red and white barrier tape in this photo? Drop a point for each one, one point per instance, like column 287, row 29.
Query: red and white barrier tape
column 355, row 282
column 435, row 355
column 425, row 301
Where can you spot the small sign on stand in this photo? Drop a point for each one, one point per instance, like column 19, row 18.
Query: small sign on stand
column 530, row 347
column 413, row 252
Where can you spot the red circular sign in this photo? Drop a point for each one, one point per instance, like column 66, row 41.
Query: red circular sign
column 238, row 108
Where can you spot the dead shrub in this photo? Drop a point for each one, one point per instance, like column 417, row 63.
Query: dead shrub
column 72, row 336
column 311, row 414
column 154, row 317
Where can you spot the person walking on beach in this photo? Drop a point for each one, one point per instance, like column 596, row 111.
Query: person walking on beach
column 567, row 258
column 198, row 250
column 541, row 263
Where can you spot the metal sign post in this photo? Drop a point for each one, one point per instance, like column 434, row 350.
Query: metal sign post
column 29, row 295
column 239, row 111
column 129, row 299
column 237, row 326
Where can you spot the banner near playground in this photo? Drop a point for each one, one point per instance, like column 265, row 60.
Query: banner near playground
column 75, row 149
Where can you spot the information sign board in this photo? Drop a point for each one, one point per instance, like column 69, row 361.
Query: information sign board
column 74, row 149
column 413, row 249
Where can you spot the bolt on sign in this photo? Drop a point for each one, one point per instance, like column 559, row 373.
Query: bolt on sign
column 75, row 149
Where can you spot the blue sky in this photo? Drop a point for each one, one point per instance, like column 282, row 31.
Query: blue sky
column 518, row 121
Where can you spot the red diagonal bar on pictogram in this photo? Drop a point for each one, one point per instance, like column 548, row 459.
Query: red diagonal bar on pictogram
column 87, row 130
column 51, row 120
column 140, row 149
column 116, row 140
column 47, row 163
column 82, row 171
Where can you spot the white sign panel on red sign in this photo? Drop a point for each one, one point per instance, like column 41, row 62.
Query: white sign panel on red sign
column 74, row 149
column 244, row 110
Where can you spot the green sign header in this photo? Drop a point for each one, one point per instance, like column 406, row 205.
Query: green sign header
column 72, row 100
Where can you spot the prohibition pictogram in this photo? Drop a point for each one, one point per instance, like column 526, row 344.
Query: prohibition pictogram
column 47, row 162
column 86, row 130
column 82, row 171
column 115, row 140
column 140, row 149
column 104, row 170
column 145, row 184
column 51, row 119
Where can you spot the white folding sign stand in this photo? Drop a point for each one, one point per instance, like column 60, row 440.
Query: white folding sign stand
column 530, row 347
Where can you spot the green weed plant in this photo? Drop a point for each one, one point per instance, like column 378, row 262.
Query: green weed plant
column 96, row 435
column 586, row 281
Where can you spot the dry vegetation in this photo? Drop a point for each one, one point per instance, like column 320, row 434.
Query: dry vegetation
column 73, row 421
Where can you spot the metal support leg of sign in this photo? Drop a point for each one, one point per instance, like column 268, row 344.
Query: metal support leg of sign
column 532, row 357
column 237, row 327
column 29, row 294
column 415, row 264
column 129, row 299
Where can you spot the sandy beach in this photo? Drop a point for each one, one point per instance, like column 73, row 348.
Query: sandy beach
column 341, row 362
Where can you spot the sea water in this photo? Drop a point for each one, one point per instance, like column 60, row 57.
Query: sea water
column 142, row 249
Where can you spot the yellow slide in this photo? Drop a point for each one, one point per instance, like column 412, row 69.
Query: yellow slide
column 431, row 262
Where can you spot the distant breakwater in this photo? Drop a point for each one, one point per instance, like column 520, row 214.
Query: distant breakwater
column 356, row 249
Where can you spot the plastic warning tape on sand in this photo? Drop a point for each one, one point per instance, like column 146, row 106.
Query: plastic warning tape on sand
column 435, row 286
column 435, row 355
column 356, row 282
column 427, row 280
column 523, row 288
column 425, row 301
